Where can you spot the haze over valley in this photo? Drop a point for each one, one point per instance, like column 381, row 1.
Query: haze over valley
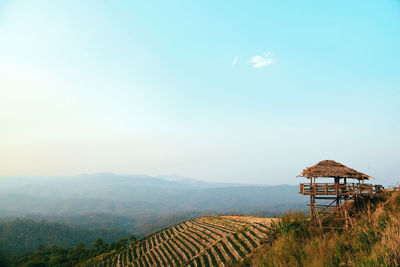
column 134, row 202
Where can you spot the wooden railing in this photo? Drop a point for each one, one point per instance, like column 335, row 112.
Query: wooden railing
column 351, row 189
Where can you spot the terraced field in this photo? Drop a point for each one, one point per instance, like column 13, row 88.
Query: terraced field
column 206, row 241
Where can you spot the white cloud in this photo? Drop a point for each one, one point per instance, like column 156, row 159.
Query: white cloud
column 235, row 61
column 263, row 60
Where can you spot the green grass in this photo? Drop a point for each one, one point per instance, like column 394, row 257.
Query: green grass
column 197, row 259
column 242, row 243
column 154, row 257
column 213, row 259
column 171, row 254
column 219, row 253
column 205, row 259
column 191, row 243
column 227, row 251
column 236, row 247
column 155, row 251
column 182, row 241
column 180, row 246
column 254, row 244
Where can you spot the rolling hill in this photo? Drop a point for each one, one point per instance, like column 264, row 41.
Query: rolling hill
column 206, row 241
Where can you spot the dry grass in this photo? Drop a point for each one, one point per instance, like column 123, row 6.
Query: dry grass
column 388, row 249
column 251, row 219
column 375, row 241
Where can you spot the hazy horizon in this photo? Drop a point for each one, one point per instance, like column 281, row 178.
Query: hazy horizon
column 167, row 177
column 175, row 177
column 237, row 93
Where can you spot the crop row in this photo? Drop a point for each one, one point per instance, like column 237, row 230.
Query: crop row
column 208, row 241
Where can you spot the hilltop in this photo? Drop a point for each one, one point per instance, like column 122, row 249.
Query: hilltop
column 374, row 240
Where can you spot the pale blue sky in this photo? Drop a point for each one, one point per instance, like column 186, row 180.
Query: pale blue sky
column 250, row 91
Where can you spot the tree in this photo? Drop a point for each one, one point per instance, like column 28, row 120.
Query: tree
column 132, row 239
column 36, row 264
column 3, row 260
column 57, row 260
column 98, row 243
column 80, row 247
column 80, row 252
column 121, row 243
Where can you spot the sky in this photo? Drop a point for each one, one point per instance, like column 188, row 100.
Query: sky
column 250, row 91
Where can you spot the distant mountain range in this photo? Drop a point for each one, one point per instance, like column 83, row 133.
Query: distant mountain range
column 136, row 203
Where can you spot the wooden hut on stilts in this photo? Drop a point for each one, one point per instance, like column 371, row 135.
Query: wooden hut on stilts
column 338, row 196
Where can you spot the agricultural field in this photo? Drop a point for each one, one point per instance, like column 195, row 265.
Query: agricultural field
column 206, row 241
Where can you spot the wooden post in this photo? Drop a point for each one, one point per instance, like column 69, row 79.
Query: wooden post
column 346, row 217
column 311, row 206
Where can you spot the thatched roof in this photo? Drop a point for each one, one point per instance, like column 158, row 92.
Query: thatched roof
column 330, row 168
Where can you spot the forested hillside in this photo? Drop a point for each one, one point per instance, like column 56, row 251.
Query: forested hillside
column 21, row 236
